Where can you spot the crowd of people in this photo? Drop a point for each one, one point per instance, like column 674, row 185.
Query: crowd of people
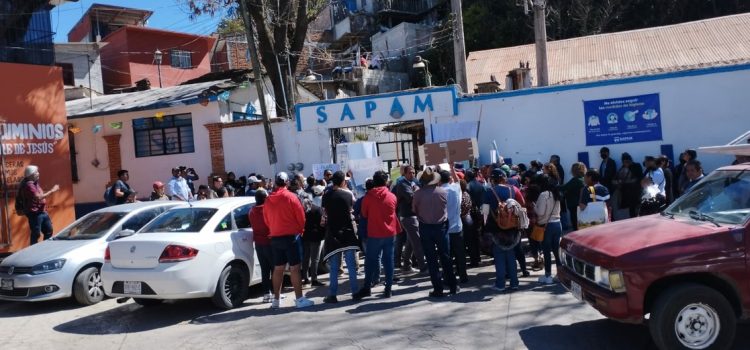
column 436, row 223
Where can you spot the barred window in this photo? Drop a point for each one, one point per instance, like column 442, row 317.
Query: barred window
column 180, row 59
column 171, row 134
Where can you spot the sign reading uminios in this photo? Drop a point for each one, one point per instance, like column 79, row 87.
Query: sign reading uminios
column 31, row 138
column 377, row 109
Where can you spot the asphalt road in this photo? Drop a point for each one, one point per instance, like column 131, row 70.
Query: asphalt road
column 536, row 317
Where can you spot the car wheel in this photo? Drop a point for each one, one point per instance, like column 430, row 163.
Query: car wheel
column 231, row 289
column 692, row 316
column 147, row 302
column 88, row 288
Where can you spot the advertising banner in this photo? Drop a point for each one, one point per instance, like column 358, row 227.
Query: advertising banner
column 34, row 131
column 622, row 120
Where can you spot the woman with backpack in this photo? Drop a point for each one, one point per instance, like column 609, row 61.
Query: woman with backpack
column 499, row 227
column 547, row 209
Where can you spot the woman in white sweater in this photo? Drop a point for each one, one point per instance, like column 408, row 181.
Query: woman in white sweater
column 547, row 208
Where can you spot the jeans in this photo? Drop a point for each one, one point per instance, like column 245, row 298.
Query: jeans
column 335, row 260
column 413, row 227
column 505, row 264
column 435, row 237
column 377, row 247
column 520, row 256
column 551, row 244
column 265, row 259
column 310, row 259
column 458, row 253
column 471, row 238
column 39, row 223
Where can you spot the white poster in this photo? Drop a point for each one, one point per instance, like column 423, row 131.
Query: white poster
column 318, row 169
column 364, row 168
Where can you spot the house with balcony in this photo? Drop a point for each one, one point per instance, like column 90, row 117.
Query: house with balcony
column 389, row 33
column 135, row 53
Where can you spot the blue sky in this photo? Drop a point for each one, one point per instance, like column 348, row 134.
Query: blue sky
column 168, row 14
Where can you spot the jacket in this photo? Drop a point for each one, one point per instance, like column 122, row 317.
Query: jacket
column 404, row 196
column 379, row 208
column 313, row 231
column 284, row 214
column 258, row 223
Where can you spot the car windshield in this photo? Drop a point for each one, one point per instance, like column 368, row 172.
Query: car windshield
column 91, row 226
column 180, row 220
column 722, row 197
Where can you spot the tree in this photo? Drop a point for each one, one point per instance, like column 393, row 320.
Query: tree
column 281, row 27
column 230, row 26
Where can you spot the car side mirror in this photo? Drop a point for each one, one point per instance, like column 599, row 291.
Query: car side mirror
column 124, row 233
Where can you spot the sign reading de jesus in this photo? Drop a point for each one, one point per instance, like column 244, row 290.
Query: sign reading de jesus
column 377, row 109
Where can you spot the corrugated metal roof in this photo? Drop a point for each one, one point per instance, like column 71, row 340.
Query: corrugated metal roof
column 140, row 100
column 711, row 42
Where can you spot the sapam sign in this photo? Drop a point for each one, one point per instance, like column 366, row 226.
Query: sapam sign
column 378, row 109
column 33, row 124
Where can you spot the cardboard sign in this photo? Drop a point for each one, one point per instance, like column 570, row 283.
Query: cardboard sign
column 364, row 168
column 451, row 151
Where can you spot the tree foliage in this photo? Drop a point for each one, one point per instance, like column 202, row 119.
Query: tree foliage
column 501, row 23
column 230, row 26
column 281, row 28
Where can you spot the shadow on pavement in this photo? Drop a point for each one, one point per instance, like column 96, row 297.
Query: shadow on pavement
column 23, row 308
column 132, row 318
column 603, row 334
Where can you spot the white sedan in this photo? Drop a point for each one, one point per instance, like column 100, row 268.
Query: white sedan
column 68, row 264
column 198, row 250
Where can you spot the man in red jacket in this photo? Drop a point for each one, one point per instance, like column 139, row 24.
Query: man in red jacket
column 379, row 208
column 285, row 217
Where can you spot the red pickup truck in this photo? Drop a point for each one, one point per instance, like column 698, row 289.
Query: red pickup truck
column 684, row 272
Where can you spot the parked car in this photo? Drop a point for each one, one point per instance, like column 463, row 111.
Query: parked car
column 204, row 249
column 684, row 272
column 69, row 263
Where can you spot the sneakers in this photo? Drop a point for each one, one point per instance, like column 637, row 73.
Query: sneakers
column 525, row 274
column 331, row 299
column 498, row 289
column 436, row 294
column 316, row 283
column 387, row 293
column 275, row 304
column 303, row 302
column 546, row 280
column 267, row 298
column 408, row 270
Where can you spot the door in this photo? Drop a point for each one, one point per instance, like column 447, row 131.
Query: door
column 243, row 243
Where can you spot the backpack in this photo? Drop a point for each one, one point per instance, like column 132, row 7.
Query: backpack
column 503, row 215
column 20, row 200
column 109, row 196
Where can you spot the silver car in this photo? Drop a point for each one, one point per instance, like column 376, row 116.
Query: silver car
column 69, row 263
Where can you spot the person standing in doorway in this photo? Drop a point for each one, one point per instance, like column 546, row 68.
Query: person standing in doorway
column 430, row 204
column 285, row 217
column 34, row 203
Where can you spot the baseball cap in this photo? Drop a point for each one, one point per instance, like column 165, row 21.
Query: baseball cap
column 158, row 184
column 282, row 177
column 498, row 173
column 253, row 180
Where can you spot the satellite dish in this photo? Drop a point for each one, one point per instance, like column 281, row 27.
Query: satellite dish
column 299, row 166
column 290, row 167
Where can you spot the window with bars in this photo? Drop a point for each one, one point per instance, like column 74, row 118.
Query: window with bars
column 181, row 59
column 170, row 134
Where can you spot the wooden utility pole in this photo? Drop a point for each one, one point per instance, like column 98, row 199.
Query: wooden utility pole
column 255, row 59
column 459, row 47
column 540, row 34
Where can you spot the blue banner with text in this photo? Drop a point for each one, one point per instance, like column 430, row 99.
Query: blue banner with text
column 623, row 120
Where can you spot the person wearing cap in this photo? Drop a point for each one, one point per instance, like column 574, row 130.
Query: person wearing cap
column 430, row 204
column 178, row 188
column 285, row 218
column 35, row 204
column 254, row 184
column 158, row 193
column 505, row 257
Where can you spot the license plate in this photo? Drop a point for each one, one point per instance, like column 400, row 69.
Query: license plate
column 575, row 288
column 130, row 287
column 6, row 284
